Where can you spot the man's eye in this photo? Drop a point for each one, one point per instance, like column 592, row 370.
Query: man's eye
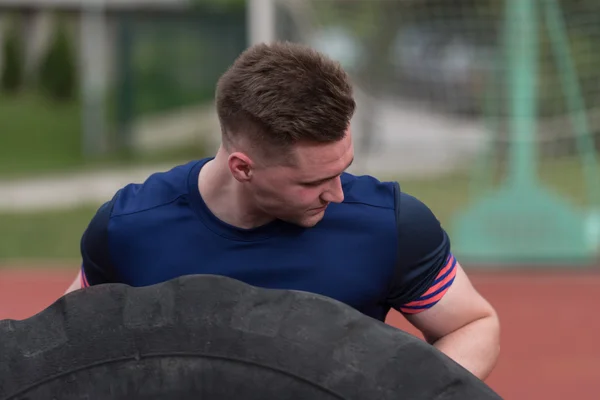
column 312, row 184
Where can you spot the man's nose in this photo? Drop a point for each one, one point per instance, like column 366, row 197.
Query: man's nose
column 334, row 193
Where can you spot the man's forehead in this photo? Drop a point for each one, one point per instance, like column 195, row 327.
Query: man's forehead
column 325, row 152
column 325, row 159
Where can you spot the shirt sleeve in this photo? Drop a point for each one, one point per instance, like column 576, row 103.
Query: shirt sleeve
column 96, row 267
column 426, row 267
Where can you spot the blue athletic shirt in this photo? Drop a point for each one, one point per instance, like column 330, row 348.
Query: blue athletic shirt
column 378, row 249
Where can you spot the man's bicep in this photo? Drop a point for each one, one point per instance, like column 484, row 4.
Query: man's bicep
column 459, row 306
column 96, row 266
column 430, row 287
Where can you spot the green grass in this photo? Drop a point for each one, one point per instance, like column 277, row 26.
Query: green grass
column 50, row 235
column 38, row 136
column 446, row 195
column 55, row 235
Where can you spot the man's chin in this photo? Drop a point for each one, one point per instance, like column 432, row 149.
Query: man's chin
column 306, row 221
column 311, row 221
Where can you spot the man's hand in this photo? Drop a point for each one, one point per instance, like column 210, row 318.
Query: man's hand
column 464, row 326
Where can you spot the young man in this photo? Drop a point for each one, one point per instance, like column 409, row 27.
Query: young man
column 274, row 208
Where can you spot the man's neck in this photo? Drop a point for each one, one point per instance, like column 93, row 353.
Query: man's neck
column 224, row 196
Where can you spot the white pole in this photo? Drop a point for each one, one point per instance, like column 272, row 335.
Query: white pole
column 93, row 75
column 261, row 21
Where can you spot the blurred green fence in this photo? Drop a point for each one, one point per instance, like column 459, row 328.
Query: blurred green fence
column 487, row 110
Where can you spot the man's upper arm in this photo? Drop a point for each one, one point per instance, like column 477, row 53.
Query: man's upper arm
column 96, row 265
column 430, row 288
column 426, row 268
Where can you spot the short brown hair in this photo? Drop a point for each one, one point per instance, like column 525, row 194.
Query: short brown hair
column 284, row 93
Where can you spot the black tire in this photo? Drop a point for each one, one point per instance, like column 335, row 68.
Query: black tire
column 209, row 337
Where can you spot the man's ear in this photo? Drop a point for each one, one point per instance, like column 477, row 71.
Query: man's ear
column 241, row 166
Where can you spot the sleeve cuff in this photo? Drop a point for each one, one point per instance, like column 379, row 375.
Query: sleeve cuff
column 438, row 289
column 84, row 281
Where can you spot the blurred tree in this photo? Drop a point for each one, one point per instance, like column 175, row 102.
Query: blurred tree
column 220, row 4
column 58, row 70
column 12, row 71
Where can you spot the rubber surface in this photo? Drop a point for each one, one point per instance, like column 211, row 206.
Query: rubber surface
column 212, row 337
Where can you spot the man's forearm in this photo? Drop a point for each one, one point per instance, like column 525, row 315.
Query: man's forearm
column 475, row 346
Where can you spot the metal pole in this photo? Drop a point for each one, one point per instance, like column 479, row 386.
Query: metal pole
column 261, row 21
column 522, row 54
column 93, row 76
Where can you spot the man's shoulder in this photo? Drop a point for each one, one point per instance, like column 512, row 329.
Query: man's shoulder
column 158, row 190
column 369, row 191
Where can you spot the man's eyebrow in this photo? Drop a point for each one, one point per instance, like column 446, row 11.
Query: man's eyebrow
column 330, row 177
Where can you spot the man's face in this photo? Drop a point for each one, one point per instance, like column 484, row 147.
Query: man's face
column 299, row 192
